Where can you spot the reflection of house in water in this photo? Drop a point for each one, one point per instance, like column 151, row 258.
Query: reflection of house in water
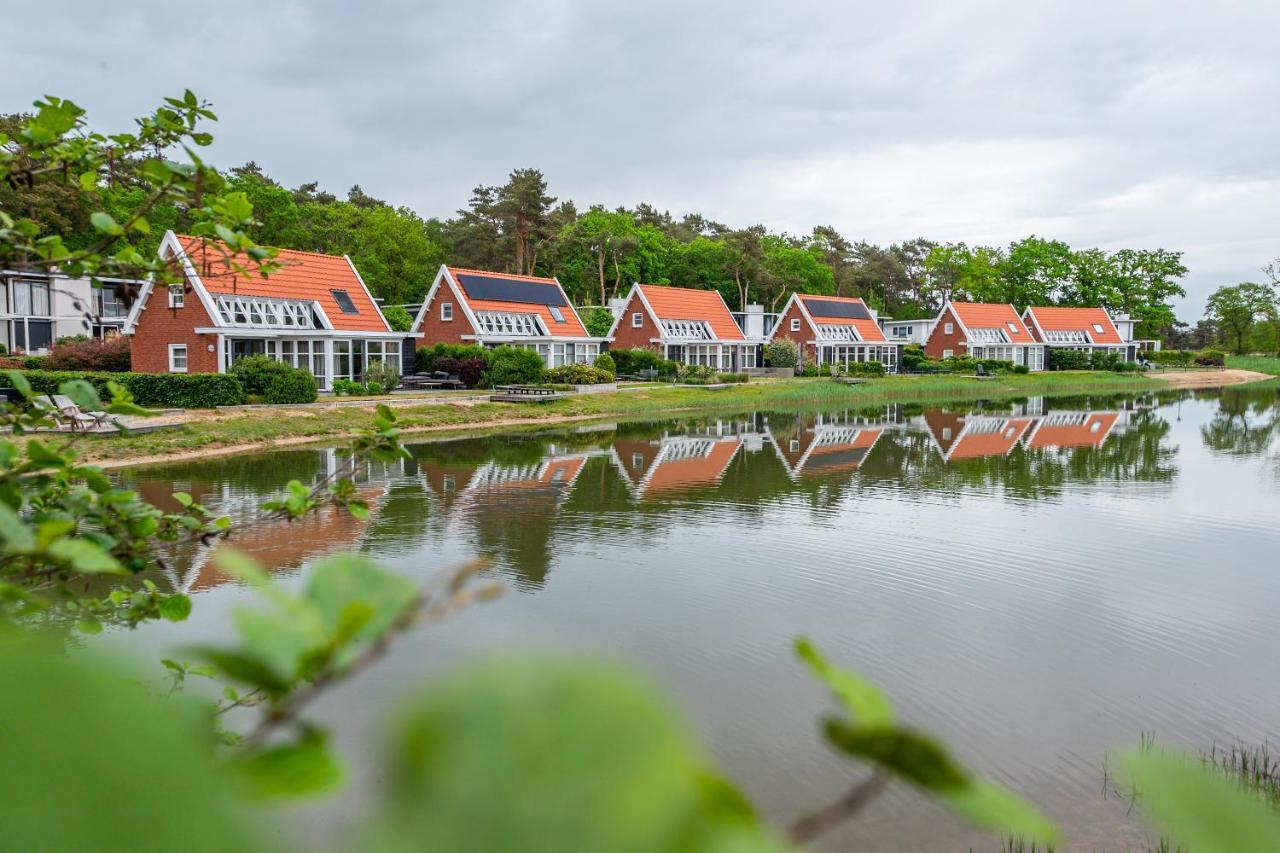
column 1072, row 429
column 673, row 463
column 967, row 435
column 825, row 444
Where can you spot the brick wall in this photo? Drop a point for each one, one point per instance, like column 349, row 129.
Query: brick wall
column 437, row 331
column 940, row 340
column 632, row 337
column 159, row 325
column 803, row 338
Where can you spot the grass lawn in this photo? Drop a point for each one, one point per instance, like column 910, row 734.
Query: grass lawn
column 1260, row 363
column 263, row 428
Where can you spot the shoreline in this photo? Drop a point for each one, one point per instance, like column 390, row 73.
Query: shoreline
column 216, row 434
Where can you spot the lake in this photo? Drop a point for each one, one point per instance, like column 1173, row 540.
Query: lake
column 1036, row 582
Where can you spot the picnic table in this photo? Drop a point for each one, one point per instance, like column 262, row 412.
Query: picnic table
column 428, row 381
column 524, row 394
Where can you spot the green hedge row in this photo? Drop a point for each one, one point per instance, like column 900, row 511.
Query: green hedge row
column 157, row 390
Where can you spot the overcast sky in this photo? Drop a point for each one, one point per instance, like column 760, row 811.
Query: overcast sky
column 1116, row 124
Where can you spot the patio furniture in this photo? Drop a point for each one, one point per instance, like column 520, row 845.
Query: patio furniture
column 66, row 414
column 524, row 394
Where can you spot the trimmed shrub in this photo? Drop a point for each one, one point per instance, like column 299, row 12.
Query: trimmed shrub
column 913, row 357
column 426, row 357
column 398, row 318
column 514, row 366
column 734, row 378
column 110, row 355
column 631, row 361
column 604, row 362
column 782, row 352
column 349, row 388
column 577, row 374
column 1022, row 368
column 1171, row 357
column 157, row 390
column 866, row 368
column 274, row 381
column 385, row 374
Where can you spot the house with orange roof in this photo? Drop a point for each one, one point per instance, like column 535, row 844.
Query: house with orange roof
column 676, row 463
column 315, row 313
column 684, row 325
column 822, row 444
column 492, row 309
column 984, row 330
column 1080, row 329
column 968, row 435
column 835, row 330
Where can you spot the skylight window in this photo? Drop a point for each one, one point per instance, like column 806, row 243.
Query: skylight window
column 556, row 313
column 1097, row 327
column 1013, row 327
column 345, row 305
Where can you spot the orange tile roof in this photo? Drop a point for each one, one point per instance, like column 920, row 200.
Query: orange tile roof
column 986, row 315
column 684, row 303
column 673, row 474
column 849, row 456
column 1091, row 433
column 869, row 330
column 304, row 275
column 1066, row 319
column 571, row 327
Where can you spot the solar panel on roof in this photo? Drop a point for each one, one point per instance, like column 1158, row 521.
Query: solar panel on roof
column 835, row 308
column 498, row 289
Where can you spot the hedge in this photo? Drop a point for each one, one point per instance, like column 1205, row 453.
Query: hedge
column 270, row 381
column 160, row 390
column 577, row 374
column 425, row 357
column 514, row 366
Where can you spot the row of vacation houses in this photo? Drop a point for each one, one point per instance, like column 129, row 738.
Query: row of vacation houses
column 317, row 313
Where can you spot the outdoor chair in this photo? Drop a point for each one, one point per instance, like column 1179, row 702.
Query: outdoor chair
column 66, row 413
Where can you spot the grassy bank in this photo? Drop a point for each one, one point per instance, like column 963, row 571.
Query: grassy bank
column 265, row 428
column 1259, row 363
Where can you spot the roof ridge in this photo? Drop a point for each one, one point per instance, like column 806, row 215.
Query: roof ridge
column 501, row 274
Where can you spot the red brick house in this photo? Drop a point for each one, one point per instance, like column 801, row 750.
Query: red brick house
column 1062, row 430
column 685, row 325
column 314, row 313
column 674, row 464
column 1081, row 329
column 819, row 445
column 492, row 309
column 835, row 330
column 984, row 330
column 968, row 435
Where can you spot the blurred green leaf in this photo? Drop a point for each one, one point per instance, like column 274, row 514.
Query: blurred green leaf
column 176, row 607
column 1202, row 811
column 104, row 222
column 990, row 806
column 865, row 702
column 911, row 755
column 82, row 394
column 338, row 582
column 76, row 730
column 85, row 555
column 292, row 770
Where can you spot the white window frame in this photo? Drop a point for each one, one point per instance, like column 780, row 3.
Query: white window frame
column 948, row 353
column 446, row 312
column 177, row 295
column 795, row 324
column 173, row 352
column 637, row 320
column 948, row 328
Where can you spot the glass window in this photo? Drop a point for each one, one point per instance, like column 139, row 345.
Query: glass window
column 446, row 311
column 948, row 328
column 795, row 325
column 343, row 299
column 342, row 359
column 31, row 298
column 637, row 320
column 556, row 314
column 176, row 295
column 177, row 358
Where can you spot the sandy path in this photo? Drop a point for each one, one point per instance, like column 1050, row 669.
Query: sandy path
column 1209, row 378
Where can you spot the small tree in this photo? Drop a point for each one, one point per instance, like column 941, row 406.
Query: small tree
column 1236, row 309
column 782, row 352
column 398, row 318
column 605, row 362
column 514, row 366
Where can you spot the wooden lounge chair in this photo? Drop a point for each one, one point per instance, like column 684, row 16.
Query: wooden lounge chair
column 66, row 414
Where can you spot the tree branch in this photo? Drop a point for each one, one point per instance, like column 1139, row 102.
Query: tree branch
column 808, row 828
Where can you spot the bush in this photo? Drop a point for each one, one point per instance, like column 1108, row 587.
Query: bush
column 913, row 357
column 604, row 362
column 631, row 361
column 1065, row 359
column 398, row 318
column 782, row 353
column 597, row 321
column 1211, row 358
column 110, row 355
column 159, row 390
column 865, row 368
column 514, row 366
column 274, row 381
column 1171, row 357
column 733, row 378
column 809, row 370
column 470, row 370
column 577, row 374
column 1022, row 368
column 384, row 373
column 349, row 388
column 426, row 357
column 373, row 388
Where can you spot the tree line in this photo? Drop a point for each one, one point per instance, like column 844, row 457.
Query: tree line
column 596, row 253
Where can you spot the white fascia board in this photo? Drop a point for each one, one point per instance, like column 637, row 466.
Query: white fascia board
column 367, row 292
column 197, row 284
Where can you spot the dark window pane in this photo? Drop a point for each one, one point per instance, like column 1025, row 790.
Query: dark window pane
column 345, row 305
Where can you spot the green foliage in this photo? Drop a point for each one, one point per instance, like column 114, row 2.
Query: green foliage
column 514, row 366
column 349, row 388
column 384, row 374
column 865, row 368
column 1065, row 359
column 272, row 381
column 782, row 352
column 577, row 374
column 732, row 378
column 1172, row 357
column 1198, row 808
column 605, row 362
column 161, row 390
column 1211, row 358
column 398, row 318
column 626, row 775
column 1236, row 309
column 141, row 776
column 867, row 729
column 597, row 320
column 912, row 357
column 629, row 362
